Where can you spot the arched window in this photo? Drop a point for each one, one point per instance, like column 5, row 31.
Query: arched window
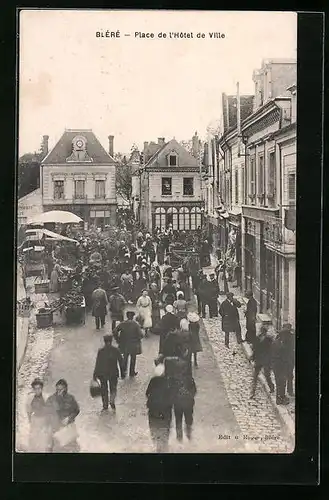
column 160, row 218
column 172, row 214
column 184, row 218
column 195, row 217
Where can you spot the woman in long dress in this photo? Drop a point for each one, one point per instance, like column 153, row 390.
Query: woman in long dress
column 194, row 329
column 144, row 307
column 154, row 295
column 54, row 282
column 40, row 436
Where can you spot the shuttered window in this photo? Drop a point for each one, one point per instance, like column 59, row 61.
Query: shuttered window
column 291, row 189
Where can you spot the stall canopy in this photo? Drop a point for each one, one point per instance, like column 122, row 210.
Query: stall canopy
column 50, row 234
column 58, row 216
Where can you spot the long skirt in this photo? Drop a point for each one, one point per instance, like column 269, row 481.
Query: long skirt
column 40, row 437
column 146, row 315
column 155, row 319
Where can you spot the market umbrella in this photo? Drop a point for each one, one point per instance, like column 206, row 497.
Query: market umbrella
column 59, row 216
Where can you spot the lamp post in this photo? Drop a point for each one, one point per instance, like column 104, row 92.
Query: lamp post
column 223, row 215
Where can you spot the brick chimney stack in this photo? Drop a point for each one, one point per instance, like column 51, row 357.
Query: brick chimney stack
column 44, row 144
column 111, row 139
column 195, row 145
column 161, row 141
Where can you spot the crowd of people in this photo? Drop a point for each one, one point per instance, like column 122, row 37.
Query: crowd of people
column 133, row 269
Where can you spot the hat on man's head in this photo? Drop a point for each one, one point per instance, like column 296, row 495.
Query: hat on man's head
column 61, row 381
column 169, row 308
column 229, row 295
column 130, row 314
column 37, row 381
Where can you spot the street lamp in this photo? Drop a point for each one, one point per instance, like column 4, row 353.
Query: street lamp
column 223, row 214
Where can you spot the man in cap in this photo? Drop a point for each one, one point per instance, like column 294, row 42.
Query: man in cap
column 230, row 318
column 128, row 335
column 169, row 322
column 108, row 363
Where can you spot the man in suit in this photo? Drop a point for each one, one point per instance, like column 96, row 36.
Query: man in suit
column 99, row 302
column 251, row 314
column 128, row 335
column 108, row 363
column 230, row 318
column 213, row 292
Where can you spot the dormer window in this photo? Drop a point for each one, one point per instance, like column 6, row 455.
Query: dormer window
column 79, row 150
column 173, row 159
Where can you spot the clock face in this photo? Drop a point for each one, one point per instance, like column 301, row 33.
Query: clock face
column 79, row 143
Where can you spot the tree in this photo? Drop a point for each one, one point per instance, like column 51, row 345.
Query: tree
column 123, row 178
column 29, row 171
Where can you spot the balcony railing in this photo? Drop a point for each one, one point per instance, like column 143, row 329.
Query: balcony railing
column 80, row 196
column 273, row 230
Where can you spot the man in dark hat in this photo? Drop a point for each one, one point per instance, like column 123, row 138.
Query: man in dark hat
column 108, row 363
column 230, row 318
column 213, row 292
column 116, row 304
column 128, row 335
column 251, row 314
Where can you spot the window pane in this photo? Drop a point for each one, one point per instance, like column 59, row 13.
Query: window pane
column 107, row 213
column 157, row 220
column 79, row 187
column 175, row 221
column 100, row 213
column 166, row 186
column 100, row 189
column 188, row 186
column 172, row 160
column 163, row 221
column 181, row 221
column 291, row 188
column 187, row 221
column 193, row 226
column 198, row 220
column 58, row 190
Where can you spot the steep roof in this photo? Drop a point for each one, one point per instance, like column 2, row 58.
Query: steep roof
column 185, row 158
column 63, row 148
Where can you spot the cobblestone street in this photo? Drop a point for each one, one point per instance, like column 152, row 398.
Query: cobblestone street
column 225, row 419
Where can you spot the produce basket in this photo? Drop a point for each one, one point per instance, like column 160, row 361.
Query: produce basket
column 41, row 286
column 44, row 318
column 24, row 308
column 75, row 312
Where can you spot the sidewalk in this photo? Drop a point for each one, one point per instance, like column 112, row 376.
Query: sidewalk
column 22, row 324
column 286, row 414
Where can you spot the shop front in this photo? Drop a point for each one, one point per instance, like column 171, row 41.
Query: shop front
column 179, row 216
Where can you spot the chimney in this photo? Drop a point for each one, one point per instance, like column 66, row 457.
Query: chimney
column 195, row 145
column 111, row 139
column 161, row 141
column 145, row 146
column 44, row 145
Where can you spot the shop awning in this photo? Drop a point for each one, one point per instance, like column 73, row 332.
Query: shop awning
column 50, row 234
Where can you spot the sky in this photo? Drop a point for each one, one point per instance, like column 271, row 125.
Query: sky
column 138, row 89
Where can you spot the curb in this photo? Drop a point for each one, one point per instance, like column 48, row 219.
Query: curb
column 281, row 412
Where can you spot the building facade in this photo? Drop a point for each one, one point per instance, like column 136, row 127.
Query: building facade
column 78, row 175
column 255, row 180
column 170, row 191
